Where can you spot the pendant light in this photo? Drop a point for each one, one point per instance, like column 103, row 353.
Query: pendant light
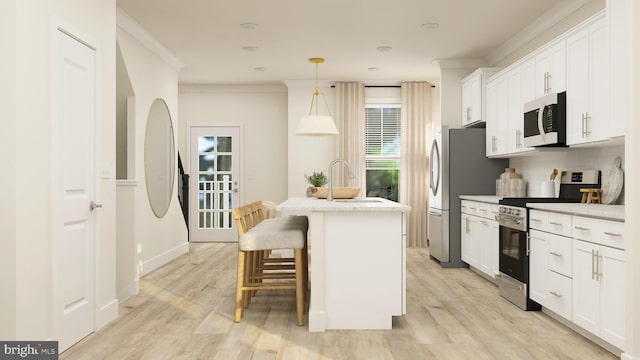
column 314, row 124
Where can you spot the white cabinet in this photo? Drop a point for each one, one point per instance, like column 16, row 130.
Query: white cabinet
column 479, row 236
column 473, row 96
column 550, row 272
column 496, row 116
column 598, row 289
column 550, row 262
column 588, row 114
column 550, row 69
column 598, row 269
column 517, row 90
column 576, row 270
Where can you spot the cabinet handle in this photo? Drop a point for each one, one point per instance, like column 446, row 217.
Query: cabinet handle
column 555, row 223
column 555, row 253
column 534, row 219
column 555, row 294
column 546, row 82
column 518, row 144
column 581, row 228
column 593, row 264
column 598, row 263
column 493, row 143
column 528, row 248
column 612, row 234
column 483, row 222
column 468, row 113
column 472, row 208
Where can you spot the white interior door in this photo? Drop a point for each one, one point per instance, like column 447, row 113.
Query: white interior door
column 73, row 259
column 214, row 182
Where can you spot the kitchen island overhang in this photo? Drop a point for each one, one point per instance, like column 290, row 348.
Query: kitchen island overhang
column 357, row 251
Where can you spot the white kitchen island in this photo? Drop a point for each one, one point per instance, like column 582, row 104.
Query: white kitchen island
column 357, row 261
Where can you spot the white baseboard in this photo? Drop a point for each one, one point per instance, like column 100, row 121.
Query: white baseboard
column 156, row 262
column 133, row 288
column 625, row 356
column 107, row 314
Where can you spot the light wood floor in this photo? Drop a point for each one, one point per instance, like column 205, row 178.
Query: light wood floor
column 185, row 311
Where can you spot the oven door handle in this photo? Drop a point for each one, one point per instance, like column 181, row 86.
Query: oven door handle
column 514, row 224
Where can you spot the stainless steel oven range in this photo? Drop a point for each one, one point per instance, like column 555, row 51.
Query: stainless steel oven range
column 513, row 280
column 513, row 218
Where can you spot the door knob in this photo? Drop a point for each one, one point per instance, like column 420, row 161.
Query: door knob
column 93, row 205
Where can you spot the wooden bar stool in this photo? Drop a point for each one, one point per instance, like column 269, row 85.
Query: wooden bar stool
column 591, row 196
column 257, row 237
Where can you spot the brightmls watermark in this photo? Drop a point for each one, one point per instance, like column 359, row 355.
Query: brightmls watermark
column 40, row 350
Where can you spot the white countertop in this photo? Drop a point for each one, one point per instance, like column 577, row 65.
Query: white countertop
column 493, row 199
column 610, row 212
column 357, row 204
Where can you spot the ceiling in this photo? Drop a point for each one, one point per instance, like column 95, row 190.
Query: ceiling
column 207, row 36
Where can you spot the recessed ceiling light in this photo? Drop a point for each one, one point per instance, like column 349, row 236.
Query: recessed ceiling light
column 384, row 48
column 260, row 68
column 249, row 26
column 430, row 26
column 374, row 69
column 250, row 48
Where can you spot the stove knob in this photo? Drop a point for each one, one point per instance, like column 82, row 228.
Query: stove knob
column 516, row 212
column 502, row 210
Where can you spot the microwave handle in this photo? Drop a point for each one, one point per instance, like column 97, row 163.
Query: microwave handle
column 540, row 127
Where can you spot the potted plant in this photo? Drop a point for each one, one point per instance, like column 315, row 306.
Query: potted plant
column 317, row 179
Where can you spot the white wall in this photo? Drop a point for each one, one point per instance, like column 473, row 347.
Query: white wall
column 8, row 181
column 160, row 239
column 31, row 25
column 262, row 113
column 537, row 168
column 307, row 153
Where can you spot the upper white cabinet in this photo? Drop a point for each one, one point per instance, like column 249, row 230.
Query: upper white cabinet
column 550, row 70
column 588, row 118
column 496, row 116
column 576, row 62
column 473, row 96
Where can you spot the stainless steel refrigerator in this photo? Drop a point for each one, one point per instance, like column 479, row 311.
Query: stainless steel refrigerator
column 458, row 166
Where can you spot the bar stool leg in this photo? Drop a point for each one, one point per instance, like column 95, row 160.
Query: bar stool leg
column 299, row 286
column 239, row 285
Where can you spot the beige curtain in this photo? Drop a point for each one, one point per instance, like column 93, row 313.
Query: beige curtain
column 350, row 121
column 414, row 166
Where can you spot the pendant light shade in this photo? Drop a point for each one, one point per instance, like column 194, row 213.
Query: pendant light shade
column 314, row 124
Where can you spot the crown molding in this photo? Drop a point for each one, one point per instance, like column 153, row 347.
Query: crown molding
column 131, row 27
column 227, row 89
column 535, row 29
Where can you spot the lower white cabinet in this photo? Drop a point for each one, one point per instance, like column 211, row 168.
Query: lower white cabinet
column 576, row 270
column 598, row 289
column 479, row 236
column 550, row 272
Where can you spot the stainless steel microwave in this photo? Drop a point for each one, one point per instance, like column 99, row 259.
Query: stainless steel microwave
column 545, row 121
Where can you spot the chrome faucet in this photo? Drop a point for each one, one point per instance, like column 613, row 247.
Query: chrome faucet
column 346, row 163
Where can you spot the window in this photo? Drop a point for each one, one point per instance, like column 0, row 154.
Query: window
column 382, row 153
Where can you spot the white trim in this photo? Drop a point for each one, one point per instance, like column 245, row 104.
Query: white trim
column 127, row 182
column 550, row 18
column 131, row 27
column 132, row 289
column 625, row 356
column 231, row 89
column 106, row 314
column 154, row 263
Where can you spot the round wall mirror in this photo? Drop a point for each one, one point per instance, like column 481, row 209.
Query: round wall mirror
column 159, row 158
